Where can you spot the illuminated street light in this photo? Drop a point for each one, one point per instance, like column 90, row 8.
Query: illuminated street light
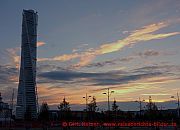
column 86, row 98
column 108, row 95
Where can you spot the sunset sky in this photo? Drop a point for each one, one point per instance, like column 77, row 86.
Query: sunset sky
column 129, row 46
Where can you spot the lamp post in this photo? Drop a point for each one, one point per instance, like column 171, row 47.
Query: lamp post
column 86, row 98
column 177, row 103
column 140, row 104
column 108, row 95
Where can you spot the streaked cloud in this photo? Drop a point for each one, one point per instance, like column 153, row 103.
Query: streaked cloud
column 144, row 75
column 111, row 62
column 55, row 84
column 149, row 53
column 14, row 54
column 134, row 56
column 156, row 94
column 136, row 81
column 145, row 33
column 64, row 57
column 15, row 58
column 40, row 44
column 49, row 95
column 85, row 58
column 125, row 32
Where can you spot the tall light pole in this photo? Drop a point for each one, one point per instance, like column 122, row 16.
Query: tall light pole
column 140, row 104
column 108, row 95
column 86, row 98
column 177, row 103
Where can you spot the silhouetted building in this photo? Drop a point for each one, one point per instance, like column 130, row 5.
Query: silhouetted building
column 26, row 98
column 74, row 115
column 5, row 111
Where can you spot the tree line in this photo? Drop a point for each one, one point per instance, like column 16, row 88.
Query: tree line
column 150, row 112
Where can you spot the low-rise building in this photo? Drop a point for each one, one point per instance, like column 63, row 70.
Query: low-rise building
column 5, row 111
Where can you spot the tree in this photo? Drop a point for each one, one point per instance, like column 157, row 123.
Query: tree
column 64, row 105
column 151, row 106
column 44, row 112
column 92, row 105
column 65, row 110
column 114, row 106
column 115, row 109
column 151, row 110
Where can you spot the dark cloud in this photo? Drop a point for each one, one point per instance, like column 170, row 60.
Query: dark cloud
column 143, row 54
column 147, row 53
column 160, row 68
column 6, row 69
column 48, row 67
column 117, row 80
column 150, row 53
column 102, row 64
column 8, row 82
column 117, row 77
column 6, row 72
column 107, row 78
column 61, row 77
column 110, row 62
column 70, row 75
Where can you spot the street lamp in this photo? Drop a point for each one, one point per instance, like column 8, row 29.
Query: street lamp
column 140, row 104
column 177, row 103
column 86, row 98
column 108, row 95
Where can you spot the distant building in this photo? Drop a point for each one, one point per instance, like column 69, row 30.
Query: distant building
column 5, row 111
column 74, row 115
column 26, row 98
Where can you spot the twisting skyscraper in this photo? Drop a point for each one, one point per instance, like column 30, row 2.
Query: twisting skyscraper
column 26, row 98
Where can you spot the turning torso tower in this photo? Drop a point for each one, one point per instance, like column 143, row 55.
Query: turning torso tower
column 27, row 91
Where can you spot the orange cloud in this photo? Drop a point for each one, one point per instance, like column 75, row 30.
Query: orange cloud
column 158, row 80
column 14, row 56
column 66, row 57
column 85, row 59
column 154, row 86
column 54, row 95
column 47, row 94
column 40, row 44
column 14, row 79
column 143, row 34
column 13, row 53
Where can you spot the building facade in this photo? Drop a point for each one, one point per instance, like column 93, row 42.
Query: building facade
column 5, row 111
column 27, row 91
